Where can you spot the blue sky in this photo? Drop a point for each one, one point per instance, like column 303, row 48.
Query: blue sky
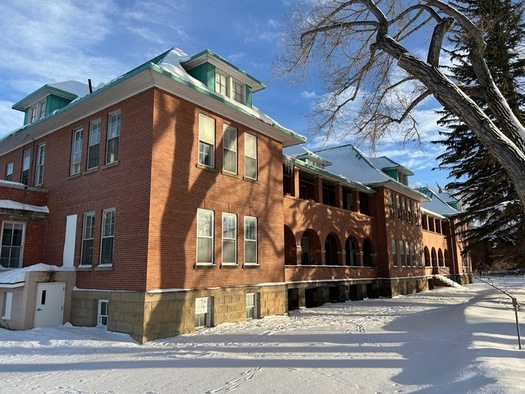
column 54, row 41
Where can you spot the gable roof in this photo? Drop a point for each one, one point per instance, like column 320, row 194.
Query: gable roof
column 385, row 163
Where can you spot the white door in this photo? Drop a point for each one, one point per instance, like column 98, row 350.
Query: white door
column 49, row 304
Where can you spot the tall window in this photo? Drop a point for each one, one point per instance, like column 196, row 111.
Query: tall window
column 206, row 141
column 250, row 156
column 87, row 238
column 204, row 236
column 112, row 149
column 251, row 305
column 390, row 204
column 12, row 244
column 108, row 236
column 402, row 252
column 26, row 164
column 76, row 152
column 230, row 150
column 221, row 83
column 40, row 159
column 9, row 171
column 394, row 253
column 250, row 240
column 407, row 254
column 94, row 144
column 229, row 238
column 398, row 207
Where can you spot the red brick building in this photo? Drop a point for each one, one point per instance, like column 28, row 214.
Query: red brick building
column 163, row 192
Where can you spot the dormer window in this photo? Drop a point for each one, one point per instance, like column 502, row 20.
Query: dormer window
column 229, row 87
column 37, row 111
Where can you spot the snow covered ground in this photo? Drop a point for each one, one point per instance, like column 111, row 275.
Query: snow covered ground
column 449, row 340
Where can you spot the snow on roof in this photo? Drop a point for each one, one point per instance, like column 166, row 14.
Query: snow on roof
column 383, row 162
column 172, row 61
column 18, row 275
column 299, row 151
column 79, row 89
column 350, row 162
column 9, row 204
column 436, row 203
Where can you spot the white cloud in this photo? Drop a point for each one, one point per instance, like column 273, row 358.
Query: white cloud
column 10, row 119
column 309, row 95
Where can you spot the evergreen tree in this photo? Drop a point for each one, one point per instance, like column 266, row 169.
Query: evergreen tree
column 490, row 200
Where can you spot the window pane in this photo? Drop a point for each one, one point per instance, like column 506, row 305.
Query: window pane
column 250, row 156
column 204, row 250
column 250, row 252
column 112, row 152
column 87, row 252
column 207, row 129
column 205, row 154
column 107, row 251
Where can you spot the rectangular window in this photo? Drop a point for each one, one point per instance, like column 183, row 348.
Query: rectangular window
column 408, row 263
column 9, row 171
column 41, row 109
column 8, row 306
column 237, row 92
column 250, row 156
column 88, row 230
column 229, row 238
column 12, row 244
column 402, row 253
column 250, row 240
column 76, row 152
column 112, row 149
column 204, row 236
column 230, row 150
column 206, row 141
column 40, row 160
column 390, row 204
column 221, row 83
column 398, row 207
column 409, row 205
column 394, row 253
column 108, row 236
column 203, row 307
column 26, row 165
column 102, row 313
column 93, row 144
column 251, row 306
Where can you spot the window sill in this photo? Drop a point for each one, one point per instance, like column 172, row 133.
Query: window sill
column 74, row 176
column 110, row 165
column 203, row 265
column 104, row 267
column 250, row 265
column 229, row 265
column 251, row 179
column 205, row 167
column 230, row 174
column 91, row 170
column 84, row 268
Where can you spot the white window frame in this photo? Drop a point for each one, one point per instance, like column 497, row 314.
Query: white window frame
column 248, row 240
column 250, row 153
column 40, row 161
column 88, row 235
column 8, row 305
column 9, row 171
column 113, row 137
column 206, row 141
column 107, row 232
column 203, row 312
column 76, row 151
column 11, row 246
column 229, row 236
column 229, row 143
column 95, row 127
column 252, row 311
column 222, row 83
column 102, row 313
column 205, row 233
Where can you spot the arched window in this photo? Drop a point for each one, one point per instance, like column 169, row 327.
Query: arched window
column 331, row 248
column 290, row 248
